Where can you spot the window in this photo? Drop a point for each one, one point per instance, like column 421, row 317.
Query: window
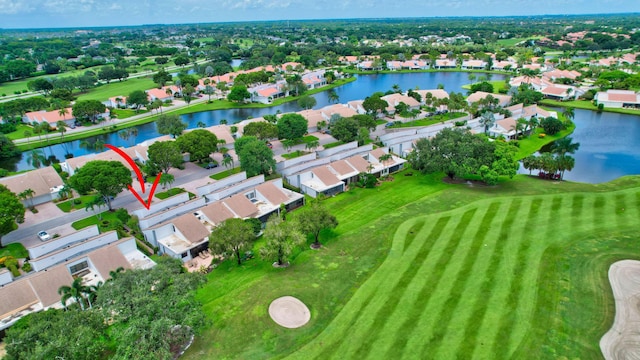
column 184, row 255
column 250, row 195
column 74, row 269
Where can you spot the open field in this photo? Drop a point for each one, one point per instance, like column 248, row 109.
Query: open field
column 117, row 88
column 422, row 269
column 514, row 41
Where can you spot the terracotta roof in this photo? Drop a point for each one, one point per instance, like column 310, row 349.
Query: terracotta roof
column 553, row 90
column 507, row 123
column 52, row 117
column 312, row 116
column 623, row 97
column 342, row 167
column 16, row 297
column 339, row 109
column 217, row 212
column 40, row 180
column 273, row 194
column 436, row 93
column 268, row 91
column 325, row 176
column 359, row 163
column 240, row 205
column 158, row 94
column 107, row 259
column 191, row 228
column 49, row 281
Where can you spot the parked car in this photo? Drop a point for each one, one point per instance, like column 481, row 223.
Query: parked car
column 211, row 165
column 44, row 236
column 389, row 124
column 226, row 155
column 269, row 145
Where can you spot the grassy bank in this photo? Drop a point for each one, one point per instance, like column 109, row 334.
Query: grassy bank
column 406, row 71
column 586, row 105
column 436, row 270
column 204, row 106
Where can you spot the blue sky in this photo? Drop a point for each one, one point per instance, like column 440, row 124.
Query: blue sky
column 84, row 13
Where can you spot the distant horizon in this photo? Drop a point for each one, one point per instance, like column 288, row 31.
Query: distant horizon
column 73, row 14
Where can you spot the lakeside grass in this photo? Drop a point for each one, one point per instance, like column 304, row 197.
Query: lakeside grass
column 420, row 268
column 204, row 106
column 586, row 105
column 497, row 85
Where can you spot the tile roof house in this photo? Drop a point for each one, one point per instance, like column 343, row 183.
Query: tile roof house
column 45, row 182
column 474, row 64
column 50, row 117
column 38, row 291
column 445, row 64
column 395, row 99
column 503, row 100
column 618, row 99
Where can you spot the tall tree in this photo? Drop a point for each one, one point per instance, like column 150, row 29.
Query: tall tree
column 7, row 148
column 200, row 144
column 255, row 156
column 292, row 126
column 138, row 99
column 165, row 155
column 261, row 129
column 11, row 211
column 315, row 219
column 233, row 236
column 107, row 178
column 282, row 238
column 487, row 119
column 170, row 124
column 307, row 102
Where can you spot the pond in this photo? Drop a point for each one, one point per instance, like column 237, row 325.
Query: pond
column 364, row 86
column 609, row 146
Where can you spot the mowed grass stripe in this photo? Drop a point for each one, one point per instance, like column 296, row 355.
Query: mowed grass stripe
column 576, row 210
column 529, row 256
column 479, row 226
column 513, row 271
column 420, row 264
column 395, row 271
column 472, row 289
column 429, row 276
column 412, row 233
column 364, row 305
column 497, row 283
column 620, row 208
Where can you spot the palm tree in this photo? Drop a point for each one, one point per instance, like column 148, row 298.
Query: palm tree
column 65, row 191
column 27, row 134
column 75, row 291
column 28, row 194
column 569, row 113
column 312, row 145
column 565, row 146
column 96, row 203
column 63, row 112
column 227, row 161
column 62, row 128
column 200, row 124
column 223, row 122
column 565, row 162
column 533, row 124
column 166, row 179
column 487, row 119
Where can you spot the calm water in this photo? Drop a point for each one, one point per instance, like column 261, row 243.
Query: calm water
column 364, row 86
column 608, row 145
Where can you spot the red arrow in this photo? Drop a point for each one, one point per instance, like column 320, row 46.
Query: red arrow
column 147, row 203
column 133, row 164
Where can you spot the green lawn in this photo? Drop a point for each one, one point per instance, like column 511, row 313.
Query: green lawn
column 533, row 143
column 93, row 219
column 513, row 41
column 19, row 133
column 587, row 105
column 333, row 144
column 16, row 250
column 431, row 120
column 226, row 173
column 68, row 205
column 171, row 192
column 421, row 269
column 294, row 154
column 117, row 88
column 497, row 85
column 126, row 113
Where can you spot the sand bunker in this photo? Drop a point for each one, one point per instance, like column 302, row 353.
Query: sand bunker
column 622, row 341
column 289, row 312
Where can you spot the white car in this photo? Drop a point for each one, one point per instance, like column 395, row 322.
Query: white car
column 44, row 236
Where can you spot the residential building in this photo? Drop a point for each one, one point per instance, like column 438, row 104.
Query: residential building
column 618, row 99
column 45, row 183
